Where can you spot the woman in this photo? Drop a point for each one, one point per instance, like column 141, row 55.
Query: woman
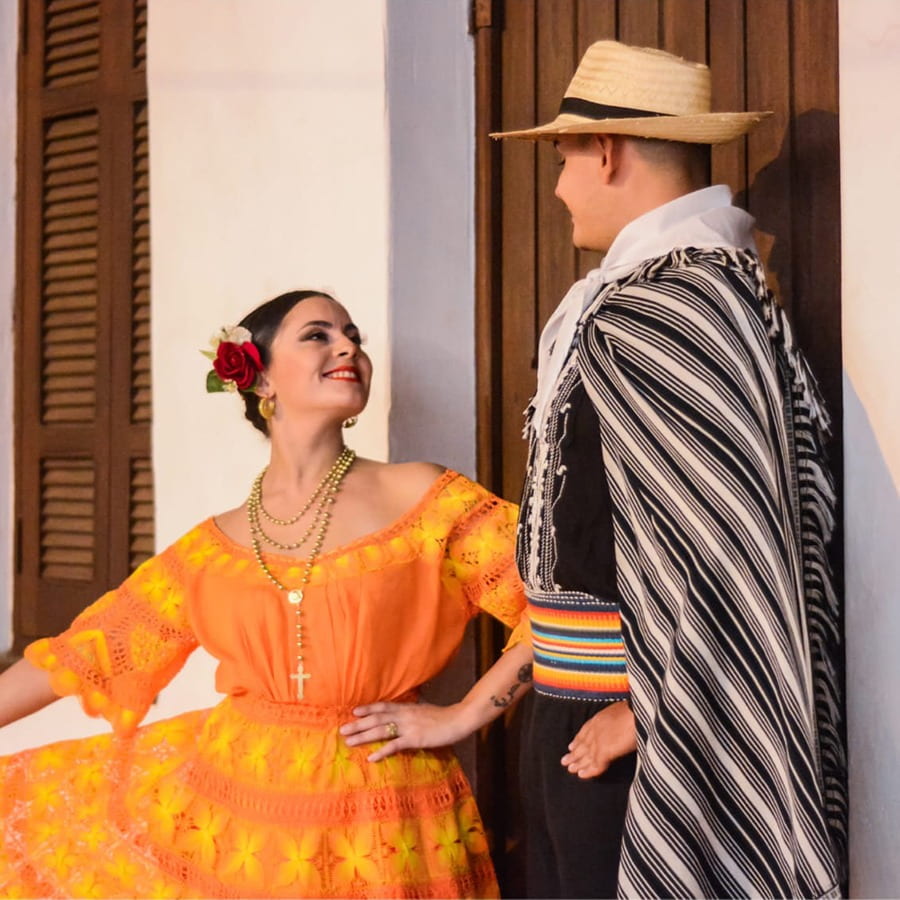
column 328, row 598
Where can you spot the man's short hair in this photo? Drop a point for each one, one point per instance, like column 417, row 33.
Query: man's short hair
column 693, row 160
column 690, row 160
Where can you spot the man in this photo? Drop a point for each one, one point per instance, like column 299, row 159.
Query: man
column 681, row 606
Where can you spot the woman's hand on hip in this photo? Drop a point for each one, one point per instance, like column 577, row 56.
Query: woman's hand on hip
column 405, row 726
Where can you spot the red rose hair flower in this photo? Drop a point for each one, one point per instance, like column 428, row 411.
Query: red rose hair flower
column 236, row 361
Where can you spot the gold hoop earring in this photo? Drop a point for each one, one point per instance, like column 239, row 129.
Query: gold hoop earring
column 349, row 423
column 267, row 407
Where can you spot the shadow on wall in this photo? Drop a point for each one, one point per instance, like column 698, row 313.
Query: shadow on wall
column 873, row 665
column 808, row 168
column 796, row 200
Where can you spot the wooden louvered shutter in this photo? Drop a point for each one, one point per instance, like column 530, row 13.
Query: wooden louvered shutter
column 84, row 492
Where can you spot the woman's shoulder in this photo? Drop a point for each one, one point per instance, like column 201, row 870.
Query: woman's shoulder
column 231, row 522
column 400, row 472
column 416, row 482
column 406, row 482
column 419, row 474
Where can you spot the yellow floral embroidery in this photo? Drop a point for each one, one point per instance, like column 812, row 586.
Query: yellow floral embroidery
column 45, row 796
column 199, row 840
column 447, row 842
column 302, row 763
column 171, row 604
column 122, row 869
column 95, row 837
column 299, row 860
column 373, row 556
column 156, row 584
column 354, row 855
column 46, row 831
column 471, row 829
column 399, row 547
column 61, row 859
column 91, row 644
column 220, row 747
column 144, row 646
column 170, row 801
column 48, row 758
column 254, row 759
column 244, row 859
column 201, row 555
column 430, row 534
column 344, row 768
column 90, row 884
column 394, row 769
column 88, row 779
column 424, row 766
column 405, row 843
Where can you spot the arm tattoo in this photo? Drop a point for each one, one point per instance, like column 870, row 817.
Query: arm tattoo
column 523, row 677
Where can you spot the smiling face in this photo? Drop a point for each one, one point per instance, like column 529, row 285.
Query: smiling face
column 317, row 362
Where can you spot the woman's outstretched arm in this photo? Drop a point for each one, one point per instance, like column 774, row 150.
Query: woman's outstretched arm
column 24, row 689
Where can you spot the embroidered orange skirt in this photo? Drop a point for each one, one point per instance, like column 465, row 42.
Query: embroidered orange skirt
column 249, row 799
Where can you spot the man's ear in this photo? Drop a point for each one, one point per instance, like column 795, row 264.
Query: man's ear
column 609, row 154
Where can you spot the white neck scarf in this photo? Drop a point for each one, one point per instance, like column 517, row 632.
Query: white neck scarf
column 703, row 219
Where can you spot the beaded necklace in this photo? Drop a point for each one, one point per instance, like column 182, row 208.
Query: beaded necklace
column 255, row 504
column 326, row 490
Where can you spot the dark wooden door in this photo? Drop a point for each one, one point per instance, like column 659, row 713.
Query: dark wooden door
column 778, row 55
column 84, row 511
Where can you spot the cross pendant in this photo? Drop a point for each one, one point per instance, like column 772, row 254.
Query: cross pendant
column 300, row 677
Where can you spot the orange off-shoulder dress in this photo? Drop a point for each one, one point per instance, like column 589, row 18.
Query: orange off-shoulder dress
column 260, row 796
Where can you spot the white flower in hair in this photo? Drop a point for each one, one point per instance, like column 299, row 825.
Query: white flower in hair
column 234, row 334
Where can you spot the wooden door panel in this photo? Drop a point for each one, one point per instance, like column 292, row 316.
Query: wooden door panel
column 727, row 59
column 83, row 475
column 638, row 22
column 684, row 28
column 517, row 263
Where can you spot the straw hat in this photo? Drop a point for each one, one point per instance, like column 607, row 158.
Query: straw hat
column 643, row 92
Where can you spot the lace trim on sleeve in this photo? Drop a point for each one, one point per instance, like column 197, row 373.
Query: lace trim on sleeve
column 124, row 648
column 482, row 550
column 521, row 633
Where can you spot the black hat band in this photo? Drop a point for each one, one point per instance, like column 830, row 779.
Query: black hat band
column 578, row 107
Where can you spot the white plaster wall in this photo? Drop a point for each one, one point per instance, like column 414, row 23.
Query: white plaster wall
column 268, row 159
column 870, row 187
column 9, row 32
column 431, row 115
column 431, row 84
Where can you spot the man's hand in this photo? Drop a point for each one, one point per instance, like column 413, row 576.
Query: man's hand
column 601, row 740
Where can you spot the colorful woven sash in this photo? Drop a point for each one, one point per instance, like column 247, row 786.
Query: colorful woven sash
column 578, row 649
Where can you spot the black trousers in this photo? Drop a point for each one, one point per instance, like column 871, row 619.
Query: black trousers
column 573, row 826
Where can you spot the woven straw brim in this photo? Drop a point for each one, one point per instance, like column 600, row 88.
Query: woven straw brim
column 703, row 128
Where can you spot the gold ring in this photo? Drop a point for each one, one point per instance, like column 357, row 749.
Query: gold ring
column 392, row 730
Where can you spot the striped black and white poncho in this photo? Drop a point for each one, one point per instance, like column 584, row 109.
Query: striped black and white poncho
column 712, row 430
